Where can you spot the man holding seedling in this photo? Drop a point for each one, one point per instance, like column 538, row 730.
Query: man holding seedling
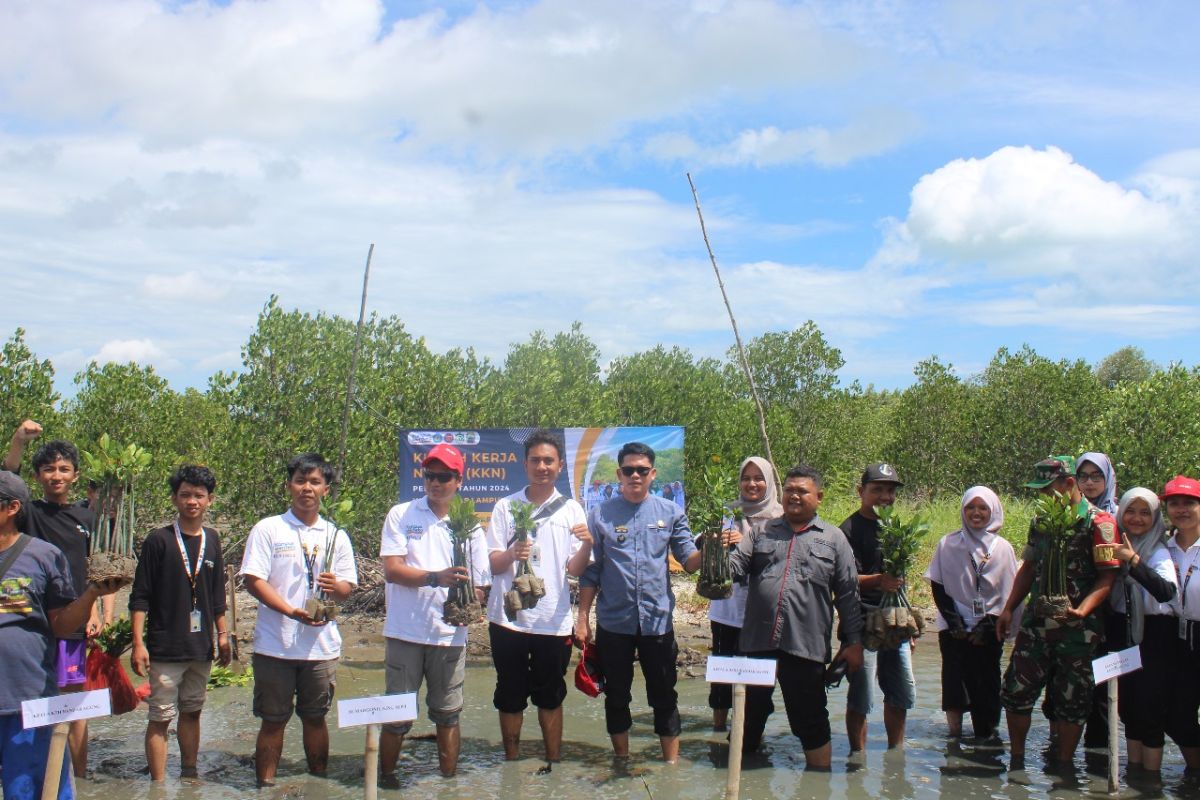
column 798, row 567
column 1070, row 565
column 536, row 533
column 417, row 551
column 177, row 603
column 891, row 667
column 38, row 602
column 56, row 519
column 632, row 536
column 290, row 558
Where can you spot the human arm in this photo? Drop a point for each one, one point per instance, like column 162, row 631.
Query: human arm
column 66, row 620
column 583, row 620
column 396, row 570
column 849, row 608
column 583, row 555
column 1099, row 593
column 25, row 433
column 881, row 581
column 262, row 591
column 1160, row 585
column 945, row 606
column 682, row 545
column 1020, row 588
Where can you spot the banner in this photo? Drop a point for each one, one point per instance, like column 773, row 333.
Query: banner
column 495, row 462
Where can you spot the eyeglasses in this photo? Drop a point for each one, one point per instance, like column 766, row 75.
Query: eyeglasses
column 1090, row 476
column 629, row 472
column 440, row 477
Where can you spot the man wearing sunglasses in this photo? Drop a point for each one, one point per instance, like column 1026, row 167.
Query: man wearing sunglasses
column 632, row 537
column 418, row 562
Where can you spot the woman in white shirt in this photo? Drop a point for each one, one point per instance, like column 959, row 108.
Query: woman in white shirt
column 1182, row 497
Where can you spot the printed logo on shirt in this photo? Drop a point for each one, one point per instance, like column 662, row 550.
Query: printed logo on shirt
column 283, row 549
column 13, row 597
column 414, row 531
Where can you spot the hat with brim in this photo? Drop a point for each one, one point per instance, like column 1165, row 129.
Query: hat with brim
column 13, row 488
column 1048, row 470
column 447, row 454
column 1181, row 486
column 881, row 473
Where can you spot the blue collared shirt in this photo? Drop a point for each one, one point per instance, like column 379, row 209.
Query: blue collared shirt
column 630, row 542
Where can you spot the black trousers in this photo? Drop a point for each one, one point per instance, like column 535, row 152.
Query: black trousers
column 1146, row 694
column 724, row 643
column 803, row 685
column 971, row 680
column 1182, row 724
column 657, row 654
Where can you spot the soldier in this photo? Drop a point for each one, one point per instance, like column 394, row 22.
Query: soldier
column 1047, row 644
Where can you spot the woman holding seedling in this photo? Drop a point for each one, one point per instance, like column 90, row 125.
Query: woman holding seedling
column 971, row 575
column 1141, row 615
column 757, row 500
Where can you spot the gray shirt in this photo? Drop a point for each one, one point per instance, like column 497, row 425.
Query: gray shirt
column 795, row 579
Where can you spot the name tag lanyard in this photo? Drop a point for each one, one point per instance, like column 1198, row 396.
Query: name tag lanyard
column 193, row 575
column 310, row 557
column 978, row 607
column 1183, row 584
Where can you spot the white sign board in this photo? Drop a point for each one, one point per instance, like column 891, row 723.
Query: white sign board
column 377, row 710
column 65, row 708
column 739, row 669
column 1107, row 667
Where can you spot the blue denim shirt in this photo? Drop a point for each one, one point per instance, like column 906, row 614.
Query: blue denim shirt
column 629, row 550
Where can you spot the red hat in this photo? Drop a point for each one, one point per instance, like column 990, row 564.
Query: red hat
column 448, row 454
column 589, row 677
column 1182, row 486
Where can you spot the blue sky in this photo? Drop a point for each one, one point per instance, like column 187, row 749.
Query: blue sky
column 918, row 178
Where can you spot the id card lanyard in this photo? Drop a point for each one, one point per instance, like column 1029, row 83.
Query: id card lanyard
column 310, row 561
column 193, row 575
column 1184, row 580
column 978, row 607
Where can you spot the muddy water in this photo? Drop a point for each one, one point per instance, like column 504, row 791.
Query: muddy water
column 929, row 767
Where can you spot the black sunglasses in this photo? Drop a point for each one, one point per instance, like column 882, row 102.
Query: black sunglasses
column 440, row 477
column 629, row 472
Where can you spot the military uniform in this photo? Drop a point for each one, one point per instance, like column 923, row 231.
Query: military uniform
column 1057, row 652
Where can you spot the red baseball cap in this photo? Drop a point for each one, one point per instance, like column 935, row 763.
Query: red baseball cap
column 1182, row 486
column 448, row 454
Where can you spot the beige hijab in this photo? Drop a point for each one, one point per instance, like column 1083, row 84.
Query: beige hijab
column 768, row 507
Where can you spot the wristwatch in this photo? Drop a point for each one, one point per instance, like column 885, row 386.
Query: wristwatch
column 431, row 580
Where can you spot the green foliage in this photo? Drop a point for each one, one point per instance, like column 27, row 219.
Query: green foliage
column 116, row 470
column 708, row 497
column 1151, row 429
column 1127, row 365
column 221, row 677
column 1056, row 520
column 522, row 519
column 26, row 387
column 461, row 519
column 116, row 637
column 935, row 435
column 900, row 541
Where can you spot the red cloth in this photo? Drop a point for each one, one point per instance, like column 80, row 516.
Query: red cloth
column 107, row 672
column 589, row 678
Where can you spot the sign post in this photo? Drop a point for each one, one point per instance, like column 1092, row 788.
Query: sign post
column 738, row 671
column 59, row 712
column 1109, row 668
column 373, row 712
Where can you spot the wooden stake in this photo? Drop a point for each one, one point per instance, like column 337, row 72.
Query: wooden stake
column 54, row 762
column 733, row 781
column 362, row 313
column 737, row 337
column 231, row 610
column 371, row 764
column 1114, row 741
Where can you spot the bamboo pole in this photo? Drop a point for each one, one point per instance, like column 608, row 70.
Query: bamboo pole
column 231, row 610
column 371, row 764
column 733, row 780
column 362, row 313
column 737, row 336
column 1114, row 740
column 54, row 761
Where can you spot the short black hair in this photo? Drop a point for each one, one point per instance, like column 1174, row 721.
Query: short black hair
column 54, row 450
column 635, row 449
column 195, row 475
column 804, row 471
column 307, row 462
column 22, row 512
column 543, row 436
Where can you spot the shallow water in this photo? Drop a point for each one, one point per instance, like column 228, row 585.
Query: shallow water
column 928, row 767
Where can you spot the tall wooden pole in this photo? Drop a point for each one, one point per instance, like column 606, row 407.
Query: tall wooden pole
column 371, row 764
column 737, row 337
column 733, row 780
column 362, row 315
column 54, row 761
column 1114, row 740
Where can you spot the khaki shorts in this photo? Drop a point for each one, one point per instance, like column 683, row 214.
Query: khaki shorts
column 177, row 685
column 443, row 668
column 284, row 684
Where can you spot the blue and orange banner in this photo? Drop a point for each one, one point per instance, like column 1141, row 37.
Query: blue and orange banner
column 495, row 461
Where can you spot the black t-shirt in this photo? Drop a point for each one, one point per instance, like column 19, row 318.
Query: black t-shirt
column 863, row 535
column 69, row 528
column 161, row 588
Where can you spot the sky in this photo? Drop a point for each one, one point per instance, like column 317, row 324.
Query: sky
column 918, row 178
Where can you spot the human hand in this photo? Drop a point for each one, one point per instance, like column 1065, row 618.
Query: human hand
column 26, row 432
column 522, row 550
column 139, row 659
column 328, row 583
column 852, row 654
column 583, row 632
column 1124, row 551
column 302, row 616
column 889, row 584
column 730, row 537
column 582, row 533
column 224, row 651
column 1003, row 623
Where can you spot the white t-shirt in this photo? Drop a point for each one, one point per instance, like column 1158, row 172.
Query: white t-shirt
column 412, row 530
column 273, row 553
column 553, row 546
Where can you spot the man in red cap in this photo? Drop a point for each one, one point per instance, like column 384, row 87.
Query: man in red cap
column 1182, row 498
column 417, row 551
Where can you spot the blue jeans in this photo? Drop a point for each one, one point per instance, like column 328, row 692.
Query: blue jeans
column 23, row 754
column 893, row 669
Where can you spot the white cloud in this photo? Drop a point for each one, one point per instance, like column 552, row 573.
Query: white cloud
column 143, row 351
column 190, row 286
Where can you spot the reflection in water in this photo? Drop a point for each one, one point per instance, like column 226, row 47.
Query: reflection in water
column 931, row 766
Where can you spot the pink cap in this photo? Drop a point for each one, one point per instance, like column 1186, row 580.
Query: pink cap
column 448, row 454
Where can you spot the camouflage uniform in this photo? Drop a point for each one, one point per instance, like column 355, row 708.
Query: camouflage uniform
column 1057, row 652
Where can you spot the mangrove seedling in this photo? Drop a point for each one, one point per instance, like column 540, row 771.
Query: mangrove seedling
column 1055, row 520
column 460, row 608
column 895, row 621
column 527, row 587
